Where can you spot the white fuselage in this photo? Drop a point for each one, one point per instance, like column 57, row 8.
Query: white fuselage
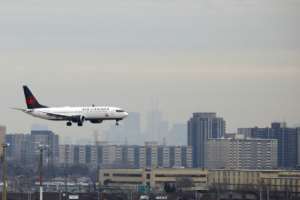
column 89, row 113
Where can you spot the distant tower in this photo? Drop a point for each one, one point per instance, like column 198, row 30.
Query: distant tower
column 201, row 127
column 125, row 141
column 164, row 141
column 96, row 137
column 156, row 126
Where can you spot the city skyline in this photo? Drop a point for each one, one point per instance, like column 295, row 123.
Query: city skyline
column 237, row 58
column 121, row 135
column 268, row 147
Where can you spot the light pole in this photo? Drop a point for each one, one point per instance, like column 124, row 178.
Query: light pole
column 41, row 149
column 4, row 169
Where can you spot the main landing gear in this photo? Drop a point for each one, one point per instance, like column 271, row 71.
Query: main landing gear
column 69, row 123
column 117, row 122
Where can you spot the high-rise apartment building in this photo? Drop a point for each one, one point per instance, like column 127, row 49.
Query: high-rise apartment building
column 66, row 154
column 149, row 156
column 201, row 127
column 288, row 141
column 217, row 153
column 241, row 153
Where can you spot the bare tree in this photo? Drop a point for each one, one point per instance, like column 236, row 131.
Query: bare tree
column 183, row 182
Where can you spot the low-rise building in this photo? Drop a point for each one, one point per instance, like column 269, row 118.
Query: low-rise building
column 155, row 178
column 201, row 179
column 272, row 180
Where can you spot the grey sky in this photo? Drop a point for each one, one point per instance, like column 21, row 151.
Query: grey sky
column 239, row 58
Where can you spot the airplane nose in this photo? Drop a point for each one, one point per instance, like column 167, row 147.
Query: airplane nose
column 126, row 114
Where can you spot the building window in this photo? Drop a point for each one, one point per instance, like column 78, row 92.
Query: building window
column 127, row 175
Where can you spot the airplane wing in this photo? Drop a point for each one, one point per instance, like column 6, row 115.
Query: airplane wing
column 63, row 117
column 58, row 115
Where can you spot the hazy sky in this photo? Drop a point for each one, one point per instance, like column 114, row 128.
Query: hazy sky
column 239, row 58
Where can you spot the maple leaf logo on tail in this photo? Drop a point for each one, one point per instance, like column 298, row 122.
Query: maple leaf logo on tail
column 30, row 100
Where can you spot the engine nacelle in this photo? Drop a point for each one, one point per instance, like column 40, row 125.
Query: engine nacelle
column 81, row 119
column 78, row 119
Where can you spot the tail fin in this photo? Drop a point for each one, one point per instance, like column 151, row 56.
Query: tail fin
column 30, row 99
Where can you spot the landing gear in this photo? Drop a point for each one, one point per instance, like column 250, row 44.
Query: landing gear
column 80, row 120
column 69, row 123
column 117, row 122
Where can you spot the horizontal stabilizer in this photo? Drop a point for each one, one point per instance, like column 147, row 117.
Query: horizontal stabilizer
column 19, row 109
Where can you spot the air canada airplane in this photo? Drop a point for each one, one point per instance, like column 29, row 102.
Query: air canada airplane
column 78, row 115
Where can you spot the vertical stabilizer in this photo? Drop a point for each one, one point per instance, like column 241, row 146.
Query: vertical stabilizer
column 31, row 101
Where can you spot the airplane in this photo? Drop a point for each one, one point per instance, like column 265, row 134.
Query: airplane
column 79, row 115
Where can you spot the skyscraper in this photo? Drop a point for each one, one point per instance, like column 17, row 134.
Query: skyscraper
column 201, row 127
column 20, row 148
column 46, row 137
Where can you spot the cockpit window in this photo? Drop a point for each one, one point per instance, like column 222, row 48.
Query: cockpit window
column 120, row 111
